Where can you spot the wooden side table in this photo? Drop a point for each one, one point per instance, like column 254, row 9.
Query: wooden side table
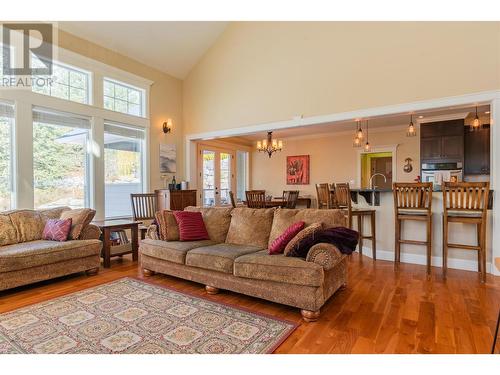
column 108, row 226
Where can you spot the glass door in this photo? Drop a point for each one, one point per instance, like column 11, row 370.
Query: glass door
column 216, row 176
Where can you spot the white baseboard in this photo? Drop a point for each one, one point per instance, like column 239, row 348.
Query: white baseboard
column 455, row 263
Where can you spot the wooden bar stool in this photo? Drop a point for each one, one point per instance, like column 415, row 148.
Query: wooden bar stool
column 343, row 201
column 324, row 196
column 412, row 201
column 467, row 203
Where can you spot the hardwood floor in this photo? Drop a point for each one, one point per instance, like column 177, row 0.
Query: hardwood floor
column 380, row 311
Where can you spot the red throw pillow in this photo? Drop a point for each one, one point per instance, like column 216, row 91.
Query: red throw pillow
column 191, row 226
column 279, row 244
column 57, row 229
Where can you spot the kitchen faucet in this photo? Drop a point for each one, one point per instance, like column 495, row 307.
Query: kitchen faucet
column 371, row 179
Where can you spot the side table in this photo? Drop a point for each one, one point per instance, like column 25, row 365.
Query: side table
column 108, row 226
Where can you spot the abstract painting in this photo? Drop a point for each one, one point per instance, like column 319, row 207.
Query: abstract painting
column 168, row 158
column 297, row 170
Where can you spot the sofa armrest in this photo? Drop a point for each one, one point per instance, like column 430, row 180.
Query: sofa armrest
column 90, row 232
column 324, row 254
column 152, row 232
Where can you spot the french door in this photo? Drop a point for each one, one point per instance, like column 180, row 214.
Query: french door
column 216, row 171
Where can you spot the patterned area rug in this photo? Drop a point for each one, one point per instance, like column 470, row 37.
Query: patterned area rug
column 134, row 317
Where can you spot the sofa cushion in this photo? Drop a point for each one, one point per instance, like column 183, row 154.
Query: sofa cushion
column 172, row 251
column 37, row 253
column 191, row 226
column 219, row 257
column 284, row 217
column 293, row 248
column 251, row 226
column 217, row 221
column 279, row 268
column 279, row 244
column 56, row 230
column 29, row 225
column 167, row 225
column 8, row 232
column 80, row 219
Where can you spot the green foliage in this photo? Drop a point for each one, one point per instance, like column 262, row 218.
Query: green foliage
column 53, row 161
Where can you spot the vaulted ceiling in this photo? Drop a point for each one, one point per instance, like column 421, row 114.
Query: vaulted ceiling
column 171, row 47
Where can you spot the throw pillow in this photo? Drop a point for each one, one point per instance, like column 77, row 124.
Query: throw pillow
column 167, row 225
column 191, row 226
column 293, row 245
column 80, row 219
column 57, row 230
column 279, row 244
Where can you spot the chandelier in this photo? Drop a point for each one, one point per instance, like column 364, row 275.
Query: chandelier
column 269, row 145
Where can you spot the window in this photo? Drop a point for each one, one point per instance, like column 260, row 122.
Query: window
column 6, row 185
column 241, row 174
column 69, row 83
column 120, row 97
column 123, row 167
column 60, row 159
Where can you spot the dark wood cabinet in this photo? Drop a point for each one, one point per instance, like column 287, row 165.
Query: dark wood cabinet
column 477, row 151
column 442, row 141
column 175, row 199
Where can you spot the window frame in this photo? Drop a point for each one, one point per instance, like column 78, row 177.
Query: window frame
column 127, row 86
column 12, row 156
column 71, row 68
column 143, row 161
column 24, row 101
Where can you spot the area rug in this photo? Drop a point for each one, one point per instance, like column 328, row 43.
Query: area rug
column 134, row 317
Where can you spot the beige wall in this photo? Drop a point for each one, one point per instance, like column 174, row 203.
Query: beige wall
column 258, row 72
column 332, row 159
column 165, row 99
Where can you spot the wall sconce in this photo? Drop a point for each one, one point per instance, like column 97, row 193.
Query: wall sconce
column 167, row 126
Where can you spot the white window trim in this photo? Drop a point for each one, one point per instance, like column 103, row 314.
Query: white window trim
column 25, row 100
column 124, row 84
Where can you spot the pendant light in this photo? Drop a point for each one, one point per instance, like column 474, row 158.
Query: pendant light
column 359, row 132
column 367, row 144
column 269, row 145
column 357, row 141
column 411, row 131
column 476, row 123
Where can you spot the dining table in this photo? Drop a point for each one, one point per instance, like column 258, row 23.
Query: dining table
column 280, row 202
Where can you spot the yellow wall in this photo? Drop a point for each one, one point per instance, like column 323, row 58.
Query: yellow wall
column 332, row 159
column 165, row 99
column 259, row 72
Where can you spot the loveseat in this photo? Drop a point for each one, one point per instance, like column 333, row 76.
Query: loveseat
column 236, row 257
column 25, row 258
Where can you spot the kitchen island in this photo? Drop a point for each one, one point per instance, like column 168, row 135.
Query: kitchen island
column 382, row 201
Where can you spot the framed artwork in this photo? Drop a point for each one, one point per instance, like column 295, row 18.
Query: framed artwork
column 168, row 158
column 297, row 170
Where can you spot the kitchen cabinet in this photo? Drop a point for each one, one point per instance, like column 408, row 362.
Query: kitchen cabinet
column 442, row 141
column 477, row 151
column 175, row 200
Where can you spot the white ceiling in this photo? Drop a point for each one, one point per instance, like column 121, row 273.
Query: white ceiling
column 381, row 122
column 171, row 47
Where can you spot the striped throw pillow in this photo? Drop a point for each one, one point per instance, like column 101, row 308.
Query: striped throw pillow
column 191, row 226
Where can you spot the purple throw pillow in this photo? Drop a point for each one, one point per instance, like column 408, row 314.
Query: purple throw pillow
column 57, row 229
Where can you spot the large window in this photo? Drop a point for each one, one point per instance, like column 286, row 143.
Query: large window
column 123, row 167
column 123, row 98
column 69, row 83
column 60, row 159
column 6, row 121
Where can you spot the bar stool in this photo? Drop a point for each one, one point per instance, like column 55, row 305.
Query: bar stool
column 412, row 201
column 343, row 200
column 324, row 196
column 467, row 203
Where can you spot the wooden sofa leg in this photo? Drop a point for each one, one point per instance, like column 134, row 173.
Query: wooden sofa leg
column 92, row 271
column 147, row 272
column 212, row 289
column 310, row 316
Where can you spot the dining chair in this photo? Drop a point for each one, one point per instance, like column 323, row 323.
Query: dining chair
column 231, row 197
column 324, row 196
column 290, row 198
column 412, row 201
column 256, row 198
column 343, row 201
column 466, row 203
column 144, row 207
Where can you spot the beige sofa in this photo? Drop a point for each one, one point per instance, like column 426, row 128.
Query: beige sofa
column 236, row 258
column 25, row 258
